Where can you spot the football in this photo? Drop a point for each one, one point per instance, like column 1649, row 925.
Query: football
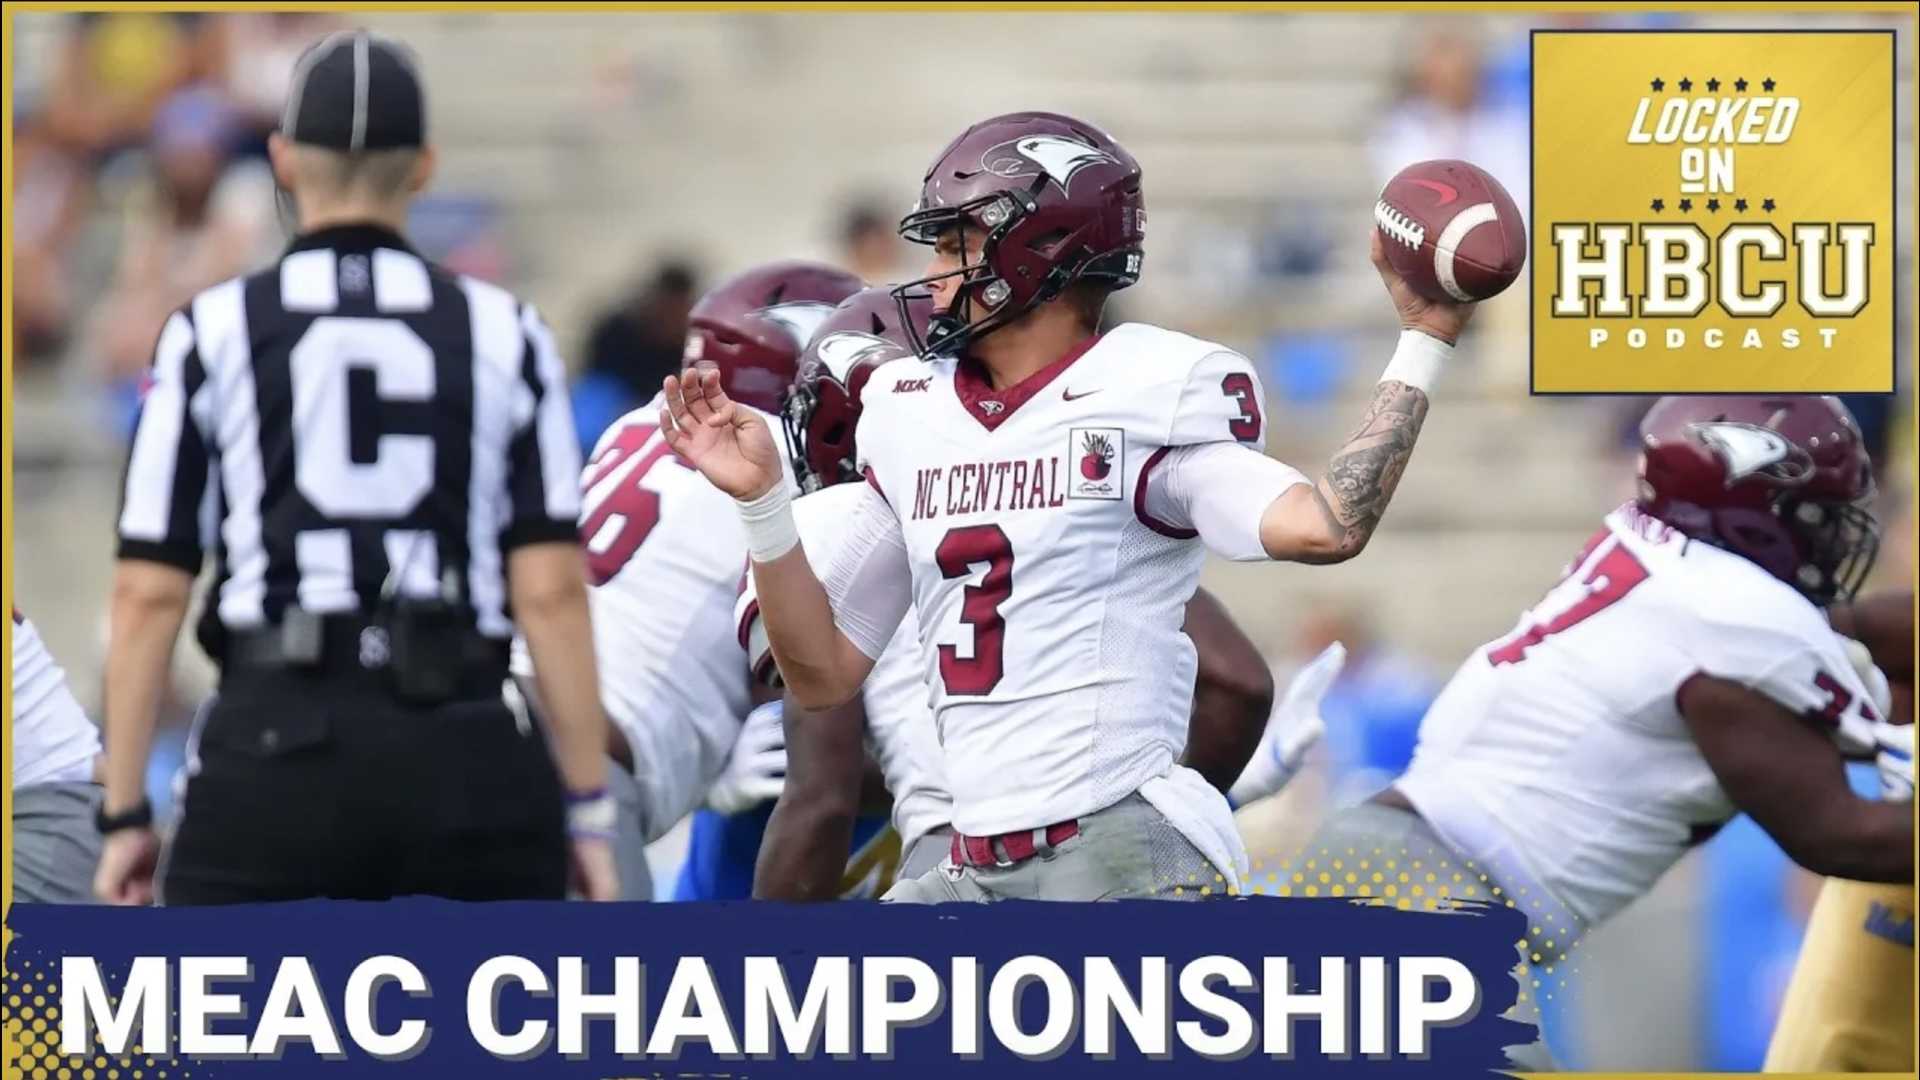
column 1451, row 230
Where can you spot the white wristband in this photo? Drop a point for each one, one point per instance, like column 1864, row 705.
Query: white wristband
column 771, row 531
column 596, row 816
column 1417, row 360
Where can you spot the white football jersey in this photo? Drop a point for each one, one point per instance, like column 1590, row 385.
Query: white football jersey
column 899, row 724
column 1557, row 754
column 53, row 741
column 665, row 553
column 1049, row 597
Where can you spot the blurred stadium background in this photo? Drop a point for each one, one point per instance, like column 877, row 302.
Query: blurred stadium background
column 608, row 166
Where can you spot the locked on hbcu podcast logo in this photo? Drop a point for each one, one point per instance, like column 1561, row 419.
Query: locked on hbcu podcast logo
column 1713, row 212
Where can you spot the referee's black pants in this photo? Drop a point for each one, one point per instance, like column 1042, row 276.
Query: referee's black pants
column 322, row 784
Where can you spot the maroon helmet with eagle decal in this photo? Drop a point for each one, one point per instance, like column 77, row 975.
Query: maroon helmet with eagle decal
column 823, row 408
column 1059, row 202
column 1782, row 481
column 753, row 325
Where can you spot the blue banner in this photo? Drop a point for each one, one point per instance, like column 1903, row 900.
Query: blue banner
column 433, row 988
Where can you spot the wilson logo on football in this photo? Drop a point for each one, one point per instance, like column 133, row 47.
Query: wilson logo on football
column 912, row 386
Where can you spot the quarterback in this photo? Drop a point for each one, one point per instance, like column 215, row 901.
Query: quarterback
column 1038, row 494
column 806, row 841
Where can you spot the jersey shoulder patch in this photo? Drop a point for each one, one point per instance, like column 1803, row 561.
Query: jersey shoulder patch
column 902, row 376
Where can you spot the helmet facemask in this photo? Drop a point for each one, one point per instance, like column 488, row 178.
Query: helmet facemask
column 950, row 332
column 799, row 412
column 1839, row 542
column 796, row 408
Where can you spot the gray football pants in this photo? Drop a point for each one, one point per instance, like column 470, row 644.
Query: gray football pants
column 55, row 845
column 1371, row 827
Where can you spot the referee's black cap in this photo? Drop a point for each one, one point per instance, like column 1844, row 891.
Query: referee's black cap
column 354, row 91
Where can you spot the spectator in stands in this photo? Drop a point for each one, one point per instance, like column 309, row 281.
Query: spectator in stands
column 196, row 219
column 257, row 53
column 114, row 71
column 634, row 346
column 1445, row 112
column 49, row 200
column 869, row 244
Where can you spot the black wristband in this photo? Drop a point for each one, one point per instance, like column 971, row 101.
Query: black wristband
column 139, row 817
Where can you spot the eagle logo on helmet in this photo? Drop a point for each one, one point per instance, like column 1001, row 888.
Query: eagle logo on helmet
column 1056, row 155
column 844, row 350
column 1750, row 450
column 800, row 317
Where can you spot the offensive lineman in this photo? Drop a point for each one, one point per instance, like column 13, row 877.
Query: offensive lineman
column 664, row 554
column 1035, row 488
column 1683, row 672
column 801, row 856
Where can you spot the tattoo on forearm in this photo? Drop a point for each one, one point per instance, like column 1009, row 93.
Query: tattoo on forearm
column 1364, row 472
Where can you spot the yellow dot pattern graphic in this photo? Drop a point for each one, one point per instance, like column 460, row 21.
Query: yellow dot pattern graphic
column 1429, row 881
column 32, row 1032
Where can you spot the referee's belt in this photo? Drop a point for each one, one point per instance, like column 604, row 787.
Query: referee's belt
column 355, row 642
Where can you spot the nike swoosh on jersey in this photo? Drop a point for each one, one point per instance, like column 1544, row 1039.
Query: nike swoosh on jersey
column 1446, row 192
column 1068, row 395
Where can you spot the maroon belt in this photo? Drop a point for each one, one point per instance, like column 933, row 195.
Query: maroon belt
column 1019, row 846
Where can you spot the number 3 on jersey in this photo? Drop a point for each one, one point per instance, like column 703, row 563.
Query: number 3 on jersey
column 959, row 552
column 618, row 510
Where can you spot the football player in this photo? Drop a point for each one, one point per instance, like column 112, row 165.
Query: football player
column 1682, row 672
column 1849, row 1007
column 664, row 553
column 1035, row 493
column 56, row 779
column 806, row 842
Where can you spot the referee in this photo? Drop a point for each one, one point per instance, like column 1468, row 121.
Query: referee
column 379, row 456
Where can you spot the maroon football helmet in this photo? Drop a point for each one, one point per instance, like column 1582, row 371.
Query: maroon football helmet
column 1783, row 481
column 823, row 409
column 1059, row 202
column 752, row 326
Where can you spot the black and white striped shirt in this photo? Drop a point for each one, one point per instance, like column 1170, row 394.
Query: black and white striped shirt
column 350, row 411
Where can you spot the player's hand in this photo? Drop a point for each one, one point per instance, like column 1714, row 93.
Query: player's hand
column 1879, row 691
column 1442, row 320
column 1894, row 743
column 1293, row 729
column 590, row 870
column 128, row 859
column 731, row 446
column 756, row 769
